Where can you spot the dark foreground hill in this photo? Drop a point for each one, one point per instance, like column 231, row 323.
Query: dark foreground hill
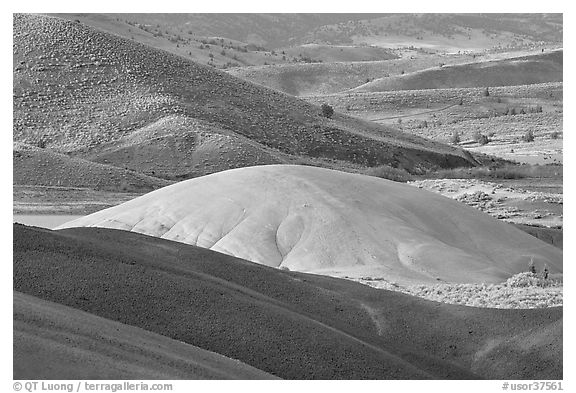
column 289, row 324
column 540, row 68
column 52, row 341
column 77, row 89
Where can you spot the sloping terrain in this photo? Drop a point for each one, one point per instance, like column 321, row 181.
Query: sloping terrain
column 337, row 53
column 540, row 68
column 180, row 147
column 478, row 31
column 329, row 222
column 289, row 324
column 76, row 88
column 328, row 78
column 43, row 167
column 52, row 341
column 446, row 32
column 217, row 45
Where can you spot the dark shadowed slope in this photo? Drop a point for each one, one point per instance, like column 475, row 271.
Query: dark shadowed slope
column 540, row 68
column 289, row 324
column 44, row 167
column 76, row 89
column 52, row 341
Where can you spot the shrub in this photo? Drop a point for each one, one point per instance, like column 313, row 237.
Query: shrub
column 555, row 135
column 529, row 279
column 528, row 136
column 481, row 138
column 455, row 139
column 327, row 111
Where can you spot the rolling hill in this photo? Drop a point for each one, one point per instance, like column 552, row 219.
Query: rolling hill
column 328, row 78
column 177, row 147
column 274, row 31
column 43, row 167
column 329, row 222
column 52, row 341
column 289, row 324
column 539, row 68
column 76, row 89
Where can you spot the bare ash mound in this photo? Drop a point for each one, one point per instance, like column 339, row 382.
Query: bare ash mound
column 76, row 89
column 289, row 324
column 330, row 222
column 52, row 341
column 539, row 68
column 43, row 167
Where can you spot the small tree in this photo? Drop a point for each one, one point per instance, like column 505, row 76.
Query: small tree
column 455, row 139
column 327, row 111
column 481, row 139
column 528, row 136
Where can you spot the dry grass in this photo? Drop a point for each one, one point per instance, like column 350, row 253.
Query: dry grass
column 390, row 173
column 507, row 171
column 521, row 291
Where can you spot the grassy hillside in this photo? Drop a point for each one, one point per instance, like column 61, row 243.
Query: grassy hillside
column 76, row 88
column 540, row 68
column 52, row 341
column 289, row 324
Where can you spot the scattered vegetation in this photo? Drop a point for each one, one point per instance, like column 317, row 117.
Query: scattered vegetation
column 507, row 171
column 521, row 291
column 390, row 173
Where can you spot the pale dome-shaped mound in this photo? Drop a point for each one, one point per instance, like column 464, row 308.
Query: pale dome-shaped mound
column 329, row 222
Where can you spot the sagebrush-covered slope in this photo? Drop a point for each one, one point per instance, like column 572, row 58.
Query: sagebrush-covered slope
column 76, row 88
